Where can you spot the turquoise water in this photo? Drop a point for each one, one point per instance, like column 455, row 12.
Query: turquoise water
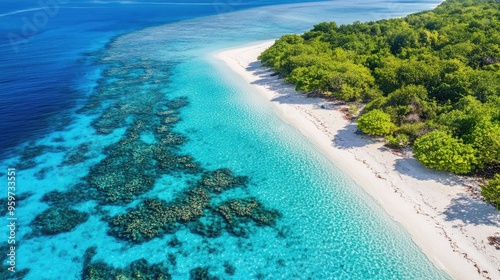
column 309, row 220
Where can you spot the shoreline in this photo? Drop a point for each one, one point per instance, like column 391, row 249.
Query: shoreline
column 439, row 210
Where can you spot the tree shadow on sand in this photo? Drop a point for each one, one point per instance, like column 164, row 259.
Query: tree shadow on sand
column 409, row 165
column 259, row 71
column 346, row 138
column 465, row 208
column 286, row 93
column 472, row 211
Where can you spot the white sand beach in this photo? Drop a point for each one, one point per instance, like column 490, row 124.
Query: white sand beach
column 443, row 213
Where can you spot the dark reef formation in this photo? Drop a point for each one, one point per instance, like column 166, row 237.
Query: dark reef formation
column 58, row 220
column 75, row 195
column 229, row 268
column 9, row 275
column 139, row 269
column 221, row 180
column 201, row 273
column 238, row 213
column 77, row 156
column 4, row 210
column 155, row 218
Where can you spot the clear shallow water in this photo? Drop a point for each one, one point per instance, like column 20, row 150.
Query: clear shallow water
column 328, row 227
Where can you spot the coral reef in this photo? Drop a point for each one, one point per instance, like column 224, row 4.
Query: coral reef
column 222, row 179
column 42, row 173
column 170, row 162
column 77, row 194
column 139, row 269
column 30, row 153
column 154, row 217
column 77, row 156
column 34, row 151
column 229, row 268
column 17, row 275
column 19, row 200
column 57, row 220
column 175, row 242
column 210, row 225
column 162, row 129
column 170, row 120
column 120, row 187
column 172, row 139
column 25, row 165
column 172, row 259
column 131, row 166
column 239, row 212
column 201, row 273
column 177, row 103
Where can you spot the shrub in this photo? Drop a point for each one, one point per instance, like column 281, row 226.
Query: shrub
column 376, row 122
column 439, row 150
column 491, row 191
column 398, row 141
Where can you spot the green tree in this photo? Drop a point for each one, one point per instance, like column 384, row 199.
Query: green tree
column 407, row 104
column 439, row 150
column 491, row 191
column 309, row 78
column 325, row 27
column 468, row 115
column 404, row 38
column 376, row 122
column 486, row 140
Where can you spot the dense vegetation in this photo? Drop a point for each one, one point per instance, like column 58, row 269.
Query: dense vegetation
column 431, row 79
column 491, row 191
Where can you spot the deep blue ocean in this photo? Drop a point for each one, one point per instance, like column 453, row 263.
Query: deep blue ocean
column 135, row 156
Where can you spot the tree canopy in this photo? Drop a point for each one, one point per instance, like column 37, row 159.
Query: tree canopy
column 491, row 191
column 440, row 150
column 376, row 122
